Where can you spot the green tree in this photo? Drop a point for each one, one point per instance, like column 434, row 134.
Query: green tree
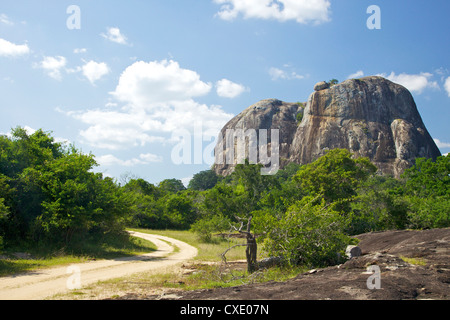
column 205, row 227
column 77, row 202
column 51, row 193
column 427, row 190
column 203, row 180
column 171, row 186
column 180, row 209
column 308, row 233
column 379, row 205
column 335, row 177
column 428, row 178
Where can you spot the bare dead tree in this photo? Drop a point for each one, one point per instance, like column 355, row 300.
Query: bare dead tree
column 252, row 248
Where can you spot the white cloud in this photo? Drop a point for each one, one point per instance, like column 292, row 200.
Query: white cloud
column 53, row 66
column 111, row 160
column 6, row 20
column 228, row 89
column 441, row 144
column 357, row 74
column 9, row 49
column 79, row 50
column 301, row 11
column 277, row 74
column 145, row 84
column 447, row 86
column 114, row 35
column 94, row 71
column 413, row 82
column 157, row 99
column 115, row 130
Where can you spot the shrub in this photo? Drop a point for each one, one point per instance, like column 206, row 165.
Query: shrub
column 204, row 228
column 307, row 234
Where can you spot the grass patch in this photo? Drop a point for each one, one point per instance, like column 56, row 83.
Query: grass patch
column 414, row 261
column 45, row 257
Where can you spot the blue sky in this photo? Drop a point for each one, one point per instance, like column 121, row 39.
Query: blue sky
column 134, row 76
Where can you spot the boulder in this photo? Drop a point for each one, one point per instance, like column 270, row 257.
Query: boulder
column 321, row 86
column 353, row 251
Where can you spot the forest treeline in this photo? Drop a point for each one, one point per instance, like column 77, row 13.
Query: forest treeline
column 50, row 196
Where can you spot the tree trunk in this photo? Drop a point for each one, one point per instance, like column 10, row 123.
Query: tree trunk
column 251, row 252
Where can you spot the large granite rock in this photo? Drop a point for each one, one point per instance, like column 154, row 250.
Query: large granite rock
column 371, row 117
column 266, row 114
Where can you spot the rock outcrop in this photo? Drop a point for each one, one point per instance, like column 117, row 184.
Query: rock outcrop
column 371, row 117
column 266, row 114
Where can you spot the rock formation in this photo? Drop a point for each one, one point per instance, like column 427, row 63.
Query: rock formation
column 371, row 117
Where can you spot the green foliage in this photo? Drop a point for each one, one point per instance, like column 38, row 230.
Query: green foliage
column 203, row 180
column 427, row 178
column 51, row 194
column 428, row 213
column 171, row 186
column 299, row 117
column 378, row 206
column 307, row 234
column 335, row 176
column 205, row 227
column 427, row 190
column 333, row 82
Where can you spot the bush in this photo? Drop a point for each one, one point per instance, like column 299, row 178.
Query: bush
column 204, row 228
column 307, row 234
column 428, row 213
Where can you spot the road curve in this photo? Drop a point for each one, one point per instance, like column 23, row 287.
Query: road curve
column 41, row 284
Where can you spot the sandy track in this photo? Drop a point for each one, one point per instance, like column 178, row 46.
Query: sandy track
column 41, row 284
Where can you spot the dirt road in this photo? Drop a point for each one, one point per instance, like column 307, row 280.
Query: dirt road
column 41, row 284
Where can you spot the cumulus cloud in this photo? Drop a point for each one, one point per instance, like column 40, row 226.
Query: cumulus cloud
column 157, row 99
column 53, row 66
column 114, row 35
column 413, row 82
column 144, row 84
column 9, row 49
column 447, row 86
column 301, row 11
column 228, row 89
column 116, row 130
column 94, row 71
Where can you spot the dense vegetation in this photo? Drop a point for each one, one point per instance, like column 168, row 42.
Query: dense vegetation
column 305, row 214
